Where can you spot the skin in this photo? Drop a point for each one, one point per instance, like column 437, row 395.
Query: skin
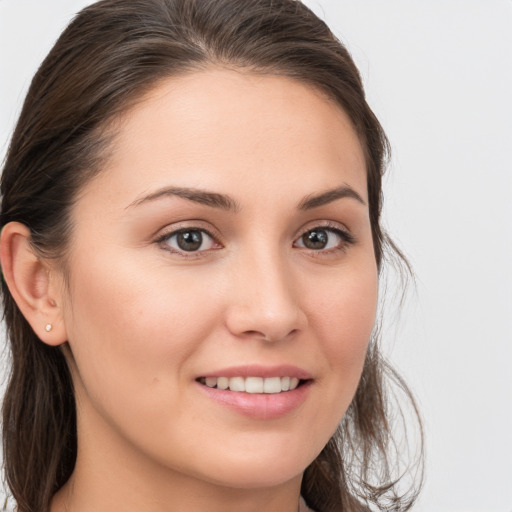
column 140, row 320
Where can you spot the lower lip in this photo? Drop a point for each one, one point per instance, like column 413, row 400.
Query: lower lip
column 261, row 406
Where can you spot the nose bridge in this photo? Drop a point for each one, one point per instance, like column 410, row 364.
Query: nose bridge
column 265, row 301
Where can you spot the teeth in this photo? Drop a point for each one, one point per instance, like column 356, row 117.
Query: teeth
column 253, row 385
column 272, row 385
column 237, row 384
column 211, row 382
column 269, row 385
column 222, row 383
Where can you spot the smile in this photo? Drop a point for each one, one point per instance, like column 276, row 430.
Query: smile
column 269, row 385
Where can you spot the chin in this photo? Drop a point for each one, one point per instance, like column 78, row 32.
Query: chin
column 256, row 472
column 252, row 479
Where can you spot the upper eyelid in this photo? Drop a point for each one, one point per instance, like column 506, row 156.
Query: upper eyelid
column 326, row 224
column 170, row 230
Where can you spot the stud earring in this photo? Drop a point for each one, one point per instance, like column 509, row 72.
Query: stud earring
column 48, row 327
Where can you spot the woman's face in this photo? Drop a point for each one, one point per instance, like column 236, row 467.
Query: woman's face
column 226, row 242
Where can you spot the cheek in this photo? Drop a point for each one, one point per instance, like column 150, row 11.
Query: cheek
column 133, row 324
column 344, row 317
column 347, row 303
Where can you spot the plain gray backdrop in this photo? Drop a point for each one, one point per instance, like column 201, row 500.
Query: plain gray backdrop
column 438, row 74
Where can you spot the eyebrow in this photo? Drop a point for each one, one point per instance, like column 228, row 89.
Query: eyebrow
column 316, row 200
column 225, row 202
column 212, row 199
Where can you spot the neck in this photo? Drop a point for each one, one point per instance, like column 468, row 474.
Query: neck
column 111, row 474
column 78, row 496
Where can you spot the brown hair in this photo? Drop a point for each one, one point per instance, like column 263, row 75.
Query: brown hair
column 110, row 55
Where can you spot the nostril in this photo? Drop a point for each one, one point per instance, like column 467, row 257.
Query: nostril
column 270, row 337
column 255, row 333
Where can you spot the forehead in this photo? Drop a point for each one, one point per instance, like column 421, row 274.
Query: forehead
column 231, row 129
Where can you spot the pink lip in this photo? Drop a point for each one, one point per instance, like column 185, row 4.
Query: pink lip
column 261, row 406
column 254, row 370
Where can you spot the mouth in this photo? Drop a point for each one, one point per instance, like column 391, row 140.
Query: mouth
column 260, row 392
column 253, row 385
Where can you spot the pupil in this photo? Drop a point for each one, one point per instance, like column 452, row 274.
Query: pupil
column 190, row 240
column 315, row 239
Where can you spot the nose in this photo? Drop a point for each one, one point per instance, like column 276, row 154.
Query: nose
column 265, row 301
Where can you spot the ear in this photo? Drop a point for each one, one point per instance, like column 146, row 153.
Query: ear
column 35, row 289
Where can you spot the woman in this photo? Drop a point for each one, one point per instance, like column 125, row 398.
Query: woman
column 191, row 249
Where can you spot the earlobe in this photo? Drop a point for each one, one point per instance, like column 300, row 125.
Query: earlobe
column 29, row 279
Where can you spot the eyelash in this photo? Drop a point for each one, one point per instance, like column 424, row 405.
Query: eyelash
column 163, row 239
column 346, row 239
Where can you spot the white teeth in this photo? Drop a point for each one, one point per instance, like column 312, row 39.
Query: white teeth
column 211, row 382
column 222, row 383
column 269, row 385
column 254, row 385
column 237, row 384
column 272, row 385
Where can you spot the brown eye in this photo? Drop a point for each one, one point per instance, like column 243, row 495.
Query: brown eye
column 190, row 240
column 324, row 238
column 315, row 239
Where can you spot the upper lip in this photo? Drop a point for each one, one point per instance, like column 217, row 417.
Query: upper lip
column 255, row 370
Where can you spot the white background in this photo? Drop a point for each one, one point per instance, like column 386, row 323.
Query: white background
column 439, row 76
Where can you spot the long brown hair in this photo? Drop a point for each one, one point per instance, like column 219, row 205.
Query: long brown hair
column 110, row 55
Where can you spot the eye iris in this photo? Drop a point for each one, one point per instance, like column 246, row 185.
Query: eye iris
column 189, row 240
column 315, row 239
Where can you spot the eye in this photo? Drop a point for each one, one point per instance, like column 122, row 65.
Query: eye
column 189, row 240
column 324, row 239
